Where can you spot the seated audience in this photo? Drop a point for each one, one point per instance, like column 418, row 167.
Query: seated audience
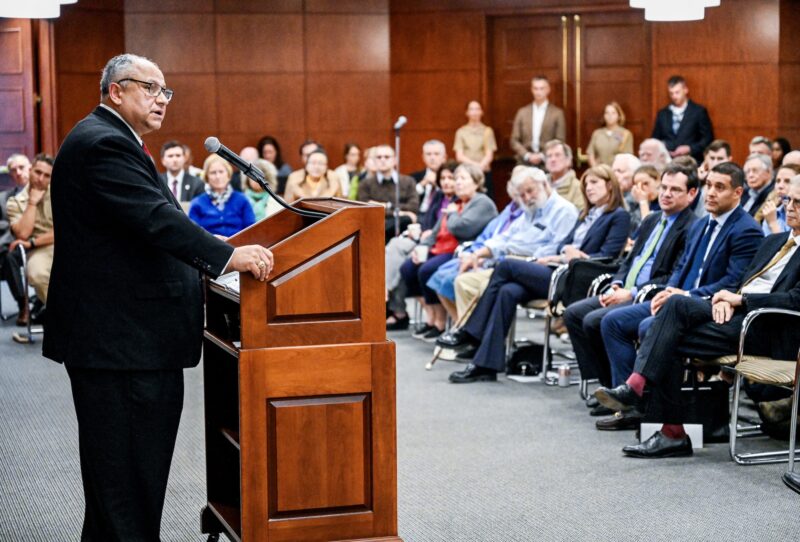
column 644, row 193
column 350, row 169
column 382, row 188
column 661, row 240
column 758, row 172
column 601, row 231
column 475, row 144
column 270, row 150
column 558, row 159
column 760, row 145
column 434, row 154
column 701, row 328
column 399, row 248
column 624, row 166
column 442, row 281
column 718, row 249
column 263, row 204
column 298, row 176
column 19, row 168
column 772, row 214
column 369, row 169
column 220, row 210
column 184, row 187
column 792, row 157
column 30, row 215
column 780, row 148
column 610, row 140
column 717, row 152
column 190, row 169
column 316, row 183
column 462, row 221
column 539, row 232
column 653, row 152
column 238, row 180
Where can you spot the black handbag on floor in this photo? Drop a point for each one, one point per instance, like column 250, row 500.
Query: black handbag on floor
column 704, row 403
column 526, row 359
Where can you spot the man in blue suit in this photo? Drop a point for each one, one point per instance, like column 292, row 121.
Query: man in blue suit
column 684, row 126
column 718, row 250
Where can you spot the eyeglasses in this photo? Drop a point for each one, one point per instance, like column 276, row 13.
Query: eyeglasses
column 789, row 201
column 152, row 89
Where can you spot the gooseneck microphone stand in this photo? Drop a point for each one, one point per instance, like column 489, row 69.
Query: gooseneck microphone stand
column 397, row 127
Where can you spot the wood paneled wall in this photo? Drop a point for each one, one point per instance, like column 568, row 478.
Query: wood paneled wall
column 17, row 126
column 293, row 69
column 742, row 62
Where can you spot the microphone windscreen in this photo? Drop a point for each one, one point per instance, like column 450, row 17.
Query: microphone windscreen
column 212, row 144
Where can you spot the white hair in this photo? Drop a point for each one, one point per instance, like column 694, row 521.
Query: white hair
column 765, row 160
column 533, row 173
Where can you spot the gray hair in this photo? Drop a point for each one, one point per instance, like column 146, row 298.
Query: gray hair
column 432, row 142
column 269, row 171
column 17, row 156
column 633, row 161
column 533, row 173
column 475, row 173
column 117, row 68
column 558, row 143
column 765, row 160
column 794, row 182
column 663, row 153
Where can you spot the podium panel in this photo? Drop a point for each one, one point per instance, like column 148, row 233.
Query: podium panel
column 300, row 386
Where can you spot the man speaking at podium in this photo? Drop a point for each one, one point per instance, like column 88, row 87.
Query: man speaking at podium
column 125, row 304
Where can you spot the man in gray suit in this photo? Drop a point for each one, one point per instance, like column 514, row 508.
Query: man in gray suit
column 536, row 124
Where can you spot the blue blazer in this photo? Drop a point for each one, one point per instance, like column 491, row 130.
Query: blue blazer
column 734, row 247
column 234, row 217
column 607, row 236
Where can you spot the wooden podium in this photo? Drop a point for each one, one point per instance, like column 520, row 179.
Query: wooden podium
column 300, row 385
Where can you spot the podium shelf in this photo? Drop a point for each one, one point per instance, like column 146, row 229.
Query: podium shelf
column 232, row 437
column 224, row 292
column 230, row 517
column 227, row 346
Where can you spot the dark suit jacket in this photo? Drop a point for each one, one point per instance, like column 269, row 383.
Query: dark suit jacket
column 668, row 252
column 125, row 291
column 371, row 189
column 785, row 294
column 607, row 236
column 760, row 199
column 734, row 247
column 695, row 129
column 192, row 186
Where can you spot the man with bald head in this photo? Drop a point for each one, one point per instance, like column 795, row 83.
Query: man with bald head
column 125, row 303
column 792, row 157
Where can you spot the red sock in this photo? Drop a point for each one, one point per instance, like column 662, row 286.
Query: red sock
column 673, row 430
column 636, row 382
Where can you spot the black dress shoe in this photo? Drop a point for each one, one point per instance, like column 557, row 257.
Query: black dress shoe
column 454, row 339
column 422, row 330
column 601, row 410
column 467, row 354
column 399, row 324
column 792, row 481
column 432, row 334
column 620, row 421
column 473, row 373
column 619, row 399
column 659, row 445
column 592, row 402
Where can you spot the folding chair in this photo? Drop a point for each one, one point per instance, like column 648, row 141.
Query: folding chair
column 31, row 330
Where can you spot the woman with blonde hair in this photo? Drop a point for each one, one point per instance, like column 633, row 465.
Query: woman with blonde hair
column 610, row 140
column 318, row 182
column 220, row 210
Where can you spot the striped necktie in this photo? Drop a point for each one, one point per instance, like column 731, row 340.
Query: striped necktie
column 630, row 280
column 775, row 259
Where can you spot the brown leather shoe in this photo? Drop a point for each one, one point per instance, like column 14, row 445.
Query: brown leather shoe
column 24, row 315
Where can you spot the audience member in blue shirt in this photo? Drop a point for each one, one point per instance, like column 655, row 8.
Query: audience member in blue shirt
column 773, row 214
column 221, row 210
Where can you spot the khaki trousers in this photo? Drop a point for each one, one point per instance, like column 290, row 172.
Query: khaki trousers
column 40, row 262
column 470, row 286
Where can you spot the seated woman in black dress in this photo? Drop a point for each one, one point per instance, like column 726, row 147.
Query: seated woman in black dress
column 601, row 232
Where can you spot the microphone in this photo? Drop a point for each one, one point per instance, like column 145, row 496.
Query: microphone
column 213, row 145
column 401, row 121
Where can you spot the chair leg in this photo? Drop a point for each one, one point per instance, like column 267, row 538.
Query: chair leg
column 734, row 416
column 793, row 428
column 546, row 349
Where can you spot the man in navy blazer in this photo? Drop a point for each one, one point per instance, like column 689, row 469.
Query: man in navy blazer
column 125, row 303
column 692, row 327
column 660, row 242
column 684, row 126
column 718, row 250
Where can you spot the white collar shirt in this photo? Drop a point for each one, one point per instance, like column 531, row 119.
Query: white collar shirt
column 539, row 112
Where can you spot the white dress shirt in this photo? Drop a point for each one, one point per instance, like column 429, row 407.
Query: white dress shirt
column 171, row 180
column 539, row 112
column 764, row 283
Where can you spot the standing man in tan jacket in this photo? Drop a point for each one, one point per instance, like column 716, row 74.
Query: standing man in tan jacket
column 536, row 124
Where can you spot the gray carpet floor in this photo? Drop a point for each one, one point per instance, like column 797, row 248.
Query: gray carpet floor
column 484, row 462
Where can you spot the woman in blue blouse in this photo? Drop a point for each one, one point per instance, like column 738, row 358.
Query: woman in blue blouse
column 221, row 210
column 601, row 232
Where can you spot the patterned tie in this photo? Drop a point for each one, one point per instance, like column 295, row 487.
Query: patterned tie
column 175, row 188
column 698, row 257
column 775, row 259
column 676, row 123
column 630, row 280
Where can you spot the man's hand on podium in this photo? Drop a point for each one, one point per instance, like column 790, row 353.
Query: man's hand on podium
column 254, row 259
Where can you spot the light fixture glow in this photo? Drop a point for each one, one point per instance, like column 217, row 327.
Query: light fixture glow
column 31, row 9
column 676, row 10
column 644, row 4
